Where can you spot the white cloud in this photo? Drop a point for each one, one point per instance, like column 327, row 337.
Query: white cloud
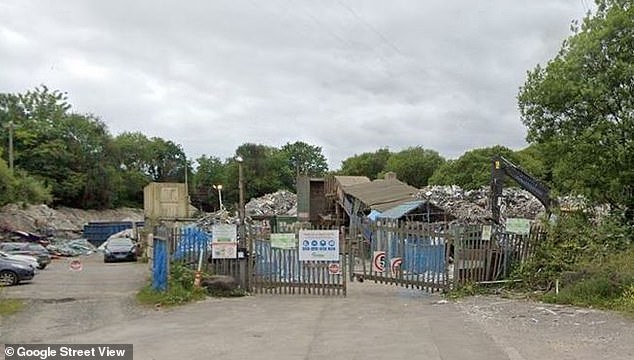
column 350, row 76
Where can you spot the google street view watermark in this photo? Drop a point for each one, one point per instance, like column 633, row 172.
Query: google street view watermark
column 68, row 351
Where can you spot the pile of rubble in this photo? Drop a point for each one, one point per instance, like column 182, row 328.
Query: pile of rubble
column 61, row 222
column 282, row 202
column 472, row 205
column 74, row 247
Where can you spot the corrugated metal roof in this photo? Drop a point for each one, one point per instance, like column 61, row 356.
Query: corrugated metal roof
column 351, row 180
column 401, row 210
column 382, row 194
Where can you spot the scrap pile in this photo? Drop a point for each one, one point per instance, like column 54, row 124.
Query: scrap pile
column 74, row 247
column 282, row 202
column 472, row 205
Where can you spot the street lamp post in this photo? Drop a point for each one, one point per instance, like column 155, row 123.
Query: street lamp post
column 241, row 214
column 219, row 188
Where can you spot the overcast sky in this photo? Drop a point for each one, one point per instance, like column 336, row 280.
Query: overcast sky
column 350, row 76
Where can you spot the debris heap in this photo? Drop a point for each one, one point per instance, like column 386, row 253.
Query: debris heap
column 282, row 202
column 472, row 205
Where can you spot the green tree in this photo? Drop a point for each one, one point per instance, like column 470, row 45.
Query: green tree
column 69, row 152
column 305, row 159
column 472, row 169
column 169, row 161
column 210, row 172
column 141, row 160
column 414, row 165
column 366, row 164
column 134, row 161
column 20, row 187
column 581, row 106
column 265, row 170
column 134, row 151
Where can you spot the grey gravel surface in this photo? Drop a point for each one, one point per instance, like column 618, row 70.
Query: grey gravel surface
column 549, row 331
column 375, row 321
column 61, row 302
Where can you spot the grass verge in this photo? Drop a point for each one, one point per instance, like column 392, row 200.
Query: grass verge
column 603, row 283
column 10, row 306
column 175, row 295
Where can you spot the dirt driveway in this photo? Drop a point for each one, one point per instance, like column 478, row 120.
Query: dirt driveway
column 62, row 302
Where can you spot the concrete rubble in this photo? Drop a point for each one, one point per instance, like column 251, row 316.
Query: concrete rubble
column 59, row 222
column 282, row 202
column 473, row 205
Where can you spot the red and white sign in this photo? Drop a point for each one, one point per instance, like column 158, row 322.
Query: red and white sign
column 334, row 269
column 75, row 265
column 395, row 265
column 378, row 261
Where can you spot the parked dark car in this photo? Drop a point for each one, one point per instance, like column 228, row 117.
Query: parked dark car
column 23, row 248
column 119, row 249
column 13, row 271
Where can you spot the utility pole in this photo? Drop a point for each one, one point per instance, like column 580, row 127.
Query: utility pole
column 11, row 145
column 241, row 214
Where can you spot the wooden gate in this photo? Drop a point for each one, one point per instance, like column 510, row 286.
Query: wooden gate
column 483, row 254
column 404, row 254
column 306, row 261
column 434, row 256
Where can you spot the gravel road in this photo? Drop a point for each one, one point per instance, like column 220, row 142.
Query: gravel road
column 533, row 330
column 63, row 302
column 97, row 305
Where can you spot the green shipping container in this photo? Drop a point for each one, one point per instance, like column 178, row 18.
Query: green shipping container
column 283, row 224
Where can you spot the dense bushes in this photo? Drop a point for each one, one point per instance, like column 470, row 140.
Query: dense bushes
column 593, row 261
column 20, row 187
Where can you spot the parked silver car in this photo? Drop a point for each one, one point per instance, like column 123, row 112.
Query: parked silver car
column 27, row 248
column 32, row 261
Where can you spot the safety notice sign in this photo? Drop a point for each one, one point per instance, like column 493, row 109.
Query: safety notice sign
column 319, row 245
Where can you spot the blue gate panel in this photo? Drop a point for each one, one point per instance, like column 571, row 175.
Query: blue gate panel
column 159, row 266
column 192, row 240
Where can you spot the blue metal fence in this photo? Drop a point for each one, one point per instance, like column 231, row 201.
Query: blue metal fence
column 160, row 265
column 190, row 243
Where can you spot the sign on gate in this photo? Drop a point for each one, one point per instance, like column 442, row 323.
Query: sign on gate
column 224, row 250
column 283, row 241
column 486, row 232
column 224, row 242
column 224, row 233
column 395, row 265
column 378, row 261
column 518, row 226
column 334, row 269
column 319, row 245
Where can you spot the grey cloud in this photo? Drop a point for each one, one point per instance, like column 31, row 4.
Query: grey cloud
column 348, row 75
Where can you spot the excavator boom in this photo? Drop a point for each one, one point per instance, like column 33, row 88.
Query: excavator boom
column 501, row 168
